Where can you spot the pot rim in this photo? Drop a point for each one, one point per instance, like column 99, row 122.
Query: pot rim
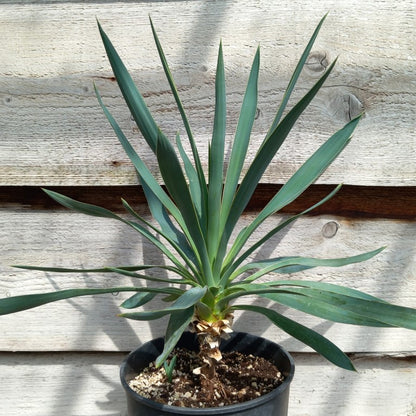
column 211, row 410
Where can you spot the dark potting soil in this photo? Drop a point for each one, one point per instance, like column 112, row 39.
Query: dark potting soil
column 239, row 378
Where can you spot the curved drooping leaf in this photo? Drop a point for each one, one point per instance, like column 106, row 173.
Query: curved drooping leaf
column 304, row 334
column 124, row 270
column 323, row 286
column 322, row 309
column 273, row 265
column 84, row 208
column 97, row 211
column 137, row 300
column 183, row 280
column 187, row 300
column 23, row 302
column 80, row 270
column 381, row 311
column 168, row 230
column 341, row 304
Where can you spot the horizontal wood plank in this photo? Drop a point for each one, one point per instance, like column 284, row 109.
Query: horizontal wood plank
column 62, row 238
column 350, row 201
column 53, row 132
column 88, row 384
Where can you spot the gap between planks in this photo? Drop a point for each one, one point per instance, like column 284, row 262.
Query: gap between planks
column 350, row 201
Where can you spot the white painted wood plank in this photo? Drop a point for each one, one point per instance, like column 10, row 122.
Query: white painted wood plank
column 54, row 133
column 88, row 384
column 381, row 387
column 61, row 384
column 53, row 238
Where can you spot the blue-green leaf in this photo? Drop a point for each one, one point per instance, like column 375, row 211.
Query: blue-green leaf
column 168, row 231
column 378, row 310
column 194, row 185
column 23, row 302
column 178, row 323
column 322, row 309
column 177, row 186
column 233, row 266
column 304, row 334
column 216, row 159
column 295, row 186
column 295, row 76
column 137, row 300
column 187, row 300
column 273, row 265
column 78, row 270
column 264, row 156
column 94, row 210
column 82, row 207
column 131, row 94
column 241, row 140
column 199, row 170
column 129, row 273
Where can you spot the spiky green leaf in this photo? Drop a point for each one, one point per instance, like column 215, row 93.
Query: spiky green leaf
column 234, row 265
column 304, row 334
column 216, row 159
column 177, row 186
column 199, row 171
column 131, row 94
column 295, row 186
column 241, row 140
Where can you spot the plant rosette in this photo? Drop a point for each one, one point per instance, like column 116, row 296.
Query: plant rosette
column 208, row 262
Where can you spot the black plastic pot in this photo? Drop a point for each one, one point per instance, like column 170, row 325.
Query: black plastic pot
column 274, row 403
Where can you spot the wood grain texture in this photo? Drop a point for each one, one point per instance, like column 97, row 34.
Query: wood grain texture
column 53, row 132
column 72, row 384
column 52, row 238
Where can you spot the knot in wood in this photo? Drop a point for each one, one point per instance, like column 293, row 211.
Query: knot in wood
column 316, row 63
column 344, row 105
column 330, row 229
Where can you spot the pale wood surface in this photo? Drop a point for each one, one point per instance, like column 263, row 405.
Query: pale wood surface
column 53, row 132
column 73, row 384
column 66, row 239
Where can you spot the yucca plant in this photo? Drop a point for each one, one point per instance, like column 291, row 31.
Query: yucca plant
column 197, row 212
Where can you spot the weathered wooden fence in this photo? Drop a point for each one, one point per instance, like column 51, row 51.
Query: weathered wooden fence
column 63, row 358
